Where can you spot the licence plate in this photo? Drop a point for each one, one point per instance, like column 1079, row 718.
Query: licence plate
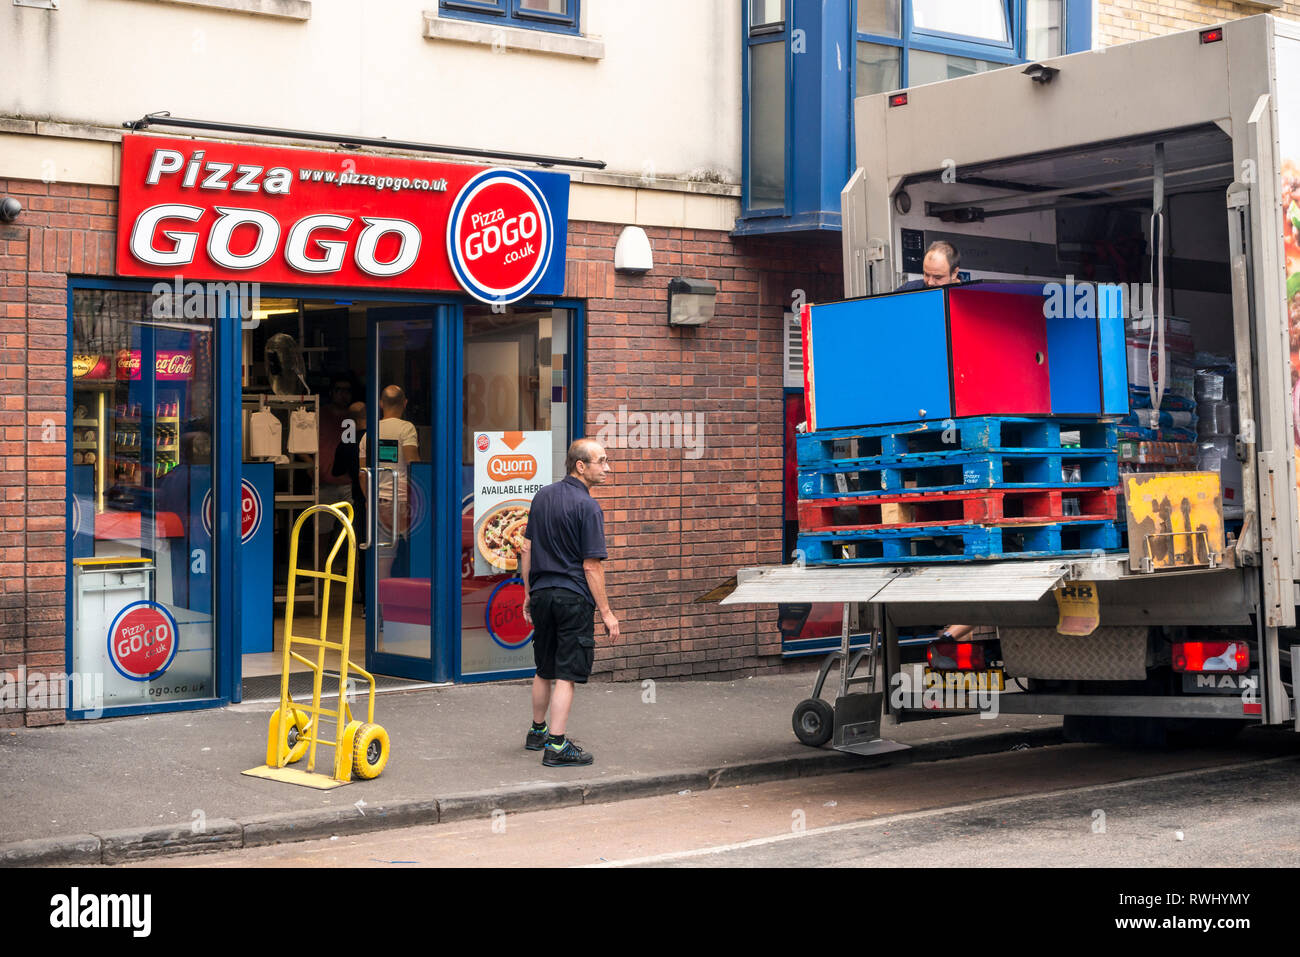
column 990, row 680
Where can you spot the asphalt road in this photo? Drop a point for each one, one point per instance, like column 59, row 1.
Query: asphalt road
column 1071, row 805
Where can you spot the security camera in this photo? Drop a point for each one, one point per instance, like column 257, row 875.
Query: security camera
column 9, row 209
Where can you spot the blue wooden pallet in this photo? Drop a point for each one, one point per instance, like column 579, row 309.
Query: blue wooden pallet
column 958, row 471
column 961, row 543
column 981, row 433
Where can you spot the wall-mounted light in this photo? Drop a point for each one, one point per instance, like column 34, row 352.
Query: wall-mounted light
column 632, row 254
column 10, row 208
column 690, row 302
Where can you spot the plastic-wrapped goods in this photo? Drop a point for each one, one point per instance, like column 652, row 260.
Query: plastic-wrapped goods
column 1214, row 417
column 1170, row 455
column 1209, row 385
column 1139, row 434
column 1220, row 455
column 1151, row 419
column 1140, row 325
column 1144, row 365
column 1139, row 397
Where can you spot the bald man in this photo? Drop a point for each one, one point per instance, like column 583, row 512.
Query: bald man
column 564, row 584
column 939, row 268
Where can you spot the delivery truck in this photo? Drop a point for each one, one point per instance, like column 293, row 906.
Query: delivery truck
column 1170, row 169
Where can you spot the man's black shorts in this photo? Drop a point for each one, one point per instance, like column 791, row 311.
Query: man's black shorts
column 564, row 634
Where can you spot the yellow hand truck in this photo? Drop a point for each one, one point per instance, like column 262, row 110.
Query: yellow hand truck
column 361, row 748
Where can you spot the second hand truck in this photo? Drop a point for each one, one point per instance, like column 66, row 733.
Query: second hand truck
column 360, row 748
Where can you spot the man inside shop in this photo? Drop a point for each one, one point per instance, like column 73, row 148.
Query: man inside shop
column 939, row 266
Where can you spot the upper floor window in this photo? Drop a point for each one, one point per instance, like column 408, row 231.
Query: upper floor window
column 904, row 43
column 560, row 16
column 766, row 128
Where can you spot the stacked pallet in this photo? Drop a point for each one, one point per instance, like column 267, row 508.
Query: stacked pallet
column 984, row 487
column 958, row 423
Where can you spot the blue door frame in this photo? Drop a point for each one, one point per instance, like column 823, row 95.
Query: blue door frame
column 447, row 405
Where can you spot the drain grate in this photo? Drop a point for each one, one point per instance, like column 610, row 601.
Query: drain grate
column 267, row 687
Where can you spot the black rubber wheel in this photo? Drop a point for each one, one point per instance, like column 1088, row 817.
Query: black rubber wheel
column 814, row 722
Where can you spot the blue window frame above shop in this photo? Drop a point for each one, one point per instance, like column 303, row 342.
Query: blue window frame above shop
column 557, row 16
column 799, row 85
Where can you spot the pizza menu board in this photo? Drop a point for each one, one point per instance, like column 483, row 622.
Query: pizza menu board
column 509, row 469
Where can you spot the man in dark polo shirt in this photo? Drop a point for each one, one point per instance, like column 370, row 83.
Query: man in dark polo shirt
column 564, row 583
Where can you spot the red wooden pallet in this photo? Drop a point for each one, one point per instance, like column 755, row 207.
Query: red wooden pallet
column 979, row 507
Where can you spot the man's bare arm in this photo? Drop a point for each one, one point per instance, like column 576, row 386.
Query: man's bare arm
column 595, row 572
column 524, row 561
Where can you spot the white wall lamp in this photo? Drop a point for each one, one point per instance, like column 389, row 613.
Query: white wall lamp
column 632, row 253
column 690, row 302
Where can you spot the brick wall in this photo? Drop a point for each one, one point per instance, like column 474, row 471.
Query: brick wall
column 63, row 229
column 1120, row 21
column 677, row 526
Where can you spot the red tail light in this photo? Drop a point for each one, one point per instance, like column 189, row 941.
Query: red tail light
column 1211, row 656
column 956, row 656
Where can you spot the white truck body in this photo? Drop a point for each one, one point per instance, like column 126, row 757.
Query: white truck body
column 1001, row 164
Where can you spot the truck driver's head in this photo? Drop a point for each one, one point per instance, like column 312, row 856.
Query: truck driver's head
column 941, row 262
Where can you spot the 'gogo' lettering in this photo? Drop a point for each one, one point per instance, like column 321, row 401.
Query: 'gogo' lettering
column 183, row 243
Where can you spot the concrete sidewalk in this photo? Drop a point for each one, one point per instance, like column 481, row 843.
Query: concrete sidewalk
column 125, row 788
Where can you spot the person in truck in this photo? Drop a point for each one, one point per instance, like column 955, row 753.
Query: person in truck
column 939, row 266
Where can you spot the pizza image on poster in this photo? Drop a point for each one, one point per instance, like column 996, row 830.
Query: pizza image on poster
column 499, row 534
column 509, row 469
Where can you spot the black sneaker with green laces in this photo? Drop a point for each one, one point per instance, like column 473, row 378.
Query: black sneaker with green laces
column 536, row 738
column 563, row 753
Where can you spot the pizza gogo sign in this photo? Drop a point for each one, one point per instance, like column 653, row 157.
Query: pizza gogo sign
column 250, row 512
column 268, row 214
column 500, row 235
column 142, row 640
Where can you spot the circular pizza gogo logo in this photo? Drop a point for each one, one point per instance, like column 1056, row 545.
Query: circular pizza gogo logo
column 142, row 640
column 250, row 518
column 500, row 236
column 505, row 615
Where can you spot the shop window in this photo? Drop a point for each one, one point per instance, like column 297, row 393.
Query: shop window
column 140, row 498
column 559, row 16
column 517, row 390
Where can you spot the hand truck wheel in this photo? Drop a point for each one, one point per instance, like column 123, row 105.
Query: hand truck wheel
column 369, row 751
column 294, row 732
column 814, row 722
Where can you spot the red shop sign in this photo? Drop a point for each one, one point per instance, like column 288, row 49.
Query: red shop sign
column 168, row 366
column 251, row 213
